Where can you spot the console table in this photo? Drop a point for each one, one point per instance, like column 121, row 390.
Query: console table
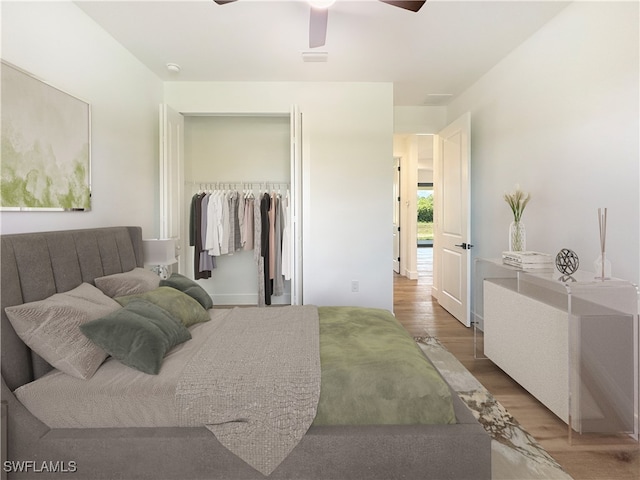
column 571, row 341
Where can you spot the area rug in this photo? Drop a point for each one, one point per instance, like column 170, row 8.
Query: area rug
column 515, row 454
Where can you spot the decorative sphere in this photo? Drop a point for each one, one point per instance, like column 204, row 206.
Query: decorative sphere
column 567, row 261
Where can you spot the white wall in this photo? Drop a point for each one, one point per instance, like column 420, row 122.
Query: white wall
column 422, row 119
column 347, row 177
column 559, row 116
column 58, row 43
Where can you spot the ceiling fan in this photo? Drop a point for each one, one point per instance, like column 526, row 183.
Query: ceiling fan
column 320, row 15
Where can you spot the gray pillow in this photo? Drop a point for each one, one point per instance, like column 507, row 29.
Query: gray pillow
column 190, row 287
column 180, row 305
column 138, row 335
column 50, row 328
column 134, row 281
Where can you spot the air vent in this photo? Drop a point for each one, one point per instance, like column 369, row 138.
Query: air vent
column 315, row 56
column 438, row 98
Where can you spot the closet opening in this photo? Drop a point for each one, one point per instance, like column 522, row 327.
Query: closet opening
column 239, row 161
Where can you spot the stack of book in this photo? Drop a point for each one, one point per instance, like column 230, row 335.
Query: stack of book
column 528, row 260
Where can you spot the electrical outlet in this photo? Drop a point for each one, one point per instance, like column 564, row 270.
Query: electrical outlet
column 355, row 286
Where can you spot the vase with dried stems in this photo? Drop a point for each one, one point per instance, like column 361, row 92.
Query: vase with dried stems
column 517, row 201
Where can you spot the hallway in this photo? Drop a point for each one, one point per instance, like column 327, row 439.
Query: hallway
column 414, row 306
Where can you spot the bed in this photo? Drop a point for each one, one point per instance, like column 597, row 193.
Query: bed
column 142, row 445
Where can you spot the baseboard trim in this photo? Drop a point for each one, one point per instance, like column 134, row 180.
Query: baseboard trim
column 411, row 274
column 247, row 299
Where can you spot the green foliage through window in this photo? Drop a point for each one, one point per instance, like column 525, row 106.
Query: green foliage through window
column 425, row 209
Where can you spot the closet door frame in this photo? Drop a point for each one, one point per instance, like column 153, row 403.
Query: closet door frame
column 171, row 178
column 295, row 210
column 168, row 196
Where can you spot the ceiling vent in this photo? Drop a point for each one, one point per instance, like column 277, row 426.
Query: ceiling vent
column 315, row 56
column 438, row 98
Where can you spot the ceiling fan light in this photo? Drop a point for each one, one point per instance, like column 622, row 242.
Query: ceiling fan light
column 321, row 3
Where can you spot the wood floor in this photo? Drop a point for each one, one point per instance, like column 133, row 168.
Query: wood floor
column 587, row 458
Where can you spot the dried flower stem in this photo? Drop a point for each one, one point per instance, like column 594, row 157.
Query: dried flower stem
column 602, row 223
column 517, row 201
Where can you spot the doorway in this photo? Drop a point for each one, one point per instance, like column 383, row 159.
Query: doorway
column 441, row 159
column 424, row 230
column 206, row 140
column 425, row 215
column 413, row 179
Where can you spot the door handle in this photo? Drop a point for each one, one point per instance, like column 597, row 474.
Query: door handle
column 464, row 246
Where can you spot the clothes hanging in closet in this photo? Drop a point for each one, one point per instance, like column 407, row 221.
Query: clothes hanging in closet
column 196, row 236
column 278, row 281
column 257, row 251
column 265, row 245
column 224, row 222
column 214, row 225
column 248, row 224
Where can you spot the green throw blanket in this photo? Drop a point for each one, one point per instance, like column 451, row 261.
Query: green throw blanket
column 373, row 373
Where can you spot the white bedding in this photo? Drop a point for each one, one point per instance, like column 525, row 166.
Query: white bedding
column 116, row 395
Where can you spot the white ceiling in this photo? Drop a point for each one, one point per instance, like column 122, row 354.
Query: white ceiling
column 442, row 49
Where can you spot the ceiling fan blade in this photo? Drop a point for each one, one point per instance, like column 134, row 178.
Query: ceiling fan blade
column 414, row 6
column 318, row 27
column 223, row 2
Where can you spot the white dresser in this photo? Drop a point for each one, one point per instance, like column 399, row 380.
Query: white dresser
column 572, row 342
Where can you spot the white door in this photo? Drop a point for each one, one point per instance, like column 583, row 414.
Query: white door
column 395, row 229
column 452, row 257
column 296, row 206
column 171, row 177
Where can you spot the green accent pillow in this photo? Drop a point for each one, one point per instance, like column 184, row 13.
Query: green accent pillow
column 190, row 287
column 178, row 304
column 138, row 335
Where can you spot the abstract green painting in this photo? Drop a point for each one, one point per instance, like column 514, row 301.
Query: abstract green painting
column 46, row 151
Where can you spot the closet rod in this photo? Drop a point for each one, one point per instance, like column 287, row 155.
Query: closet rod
column 235, row 182
column 244, row 183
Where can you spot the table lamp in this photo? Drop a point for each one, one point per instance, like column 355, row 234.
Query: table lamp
column 160, row 253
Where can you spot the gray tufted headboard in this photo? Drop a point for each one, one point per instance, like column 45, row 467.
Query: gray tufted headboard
column 37, row 265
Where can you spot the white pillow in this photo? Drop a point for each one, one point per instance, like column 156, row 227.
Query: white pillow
column 50, row 328
column 132, row 282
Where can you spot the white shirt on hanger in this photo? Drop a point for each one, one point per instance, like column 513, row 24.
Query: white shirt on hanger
column 214, row 224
